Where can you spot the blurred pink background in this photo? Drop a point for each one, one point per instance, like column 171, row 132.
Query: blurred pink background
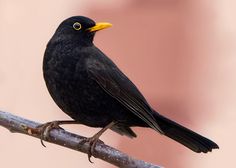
column 180, row 54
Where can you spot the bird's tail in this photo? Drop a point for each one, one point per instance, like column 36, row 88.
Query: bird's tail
column 185, row 136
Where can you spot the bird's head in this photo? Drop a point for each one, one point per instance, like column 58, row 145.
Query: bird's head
column 80, row 29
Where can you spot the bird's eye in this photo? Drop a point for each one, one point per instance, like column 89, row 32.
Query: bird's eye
column 77, row 26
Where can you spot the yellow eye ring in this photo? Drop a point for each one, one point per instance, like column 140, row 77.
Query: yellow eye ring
column 77, row 26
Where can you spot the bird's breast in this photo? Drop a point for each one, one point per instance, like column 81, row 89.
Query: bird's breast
column 74, row 91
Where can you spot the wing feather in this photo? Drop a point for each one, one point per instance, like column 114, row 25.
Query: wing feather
column 115, row 83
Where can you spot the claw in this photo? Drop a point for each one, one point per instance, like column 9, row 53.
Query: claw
column 44, row 129
column 89, row 158
column 94, row 139
column 41, row 141
column 92, row 144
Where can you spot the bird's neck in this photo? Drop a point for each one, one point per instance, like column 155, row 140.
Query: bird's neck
column 73, row 40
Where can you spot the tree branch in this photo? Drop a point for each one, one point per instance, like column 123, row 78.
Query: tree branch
column 63, row 138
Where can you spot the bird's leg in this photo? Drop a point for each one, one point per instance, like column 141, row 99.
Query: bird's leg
column 44, row 129
column 93, row 140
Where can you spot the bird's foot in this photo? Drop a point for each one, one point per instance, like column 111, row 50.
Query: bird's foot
column 94, row 139
column 44, row 130
column 92, row 144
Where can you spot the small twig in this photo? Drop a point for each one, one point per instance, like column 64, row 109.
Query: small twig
column 63, row 138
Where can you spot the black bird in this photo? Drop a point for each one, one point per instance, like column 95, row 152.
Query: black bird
column 93, row 91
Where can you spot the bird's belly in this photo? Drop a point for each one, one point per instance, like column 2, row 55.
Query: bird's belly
column 86, row 102
column 81, row 98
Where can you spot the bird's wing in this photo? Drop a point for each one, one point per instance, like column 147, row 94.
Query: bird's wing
column 115, row 83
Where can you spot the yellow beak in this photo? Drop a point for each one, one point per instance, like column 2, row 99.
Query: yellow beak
column 99, row 26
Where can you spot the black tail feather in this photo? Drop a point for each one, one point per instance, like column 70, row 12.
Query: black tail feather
column 124, row 130
column 185, row 136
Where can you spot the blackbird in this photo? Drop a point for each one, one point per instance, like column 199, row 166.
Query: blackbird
column 93, row 91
